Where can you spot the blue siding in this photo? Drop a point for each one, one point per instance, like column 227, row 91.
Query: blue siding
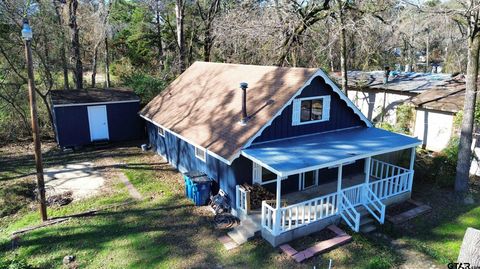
column 72, row 126
column 181, row 155
column 341, row 116
column 123, row 124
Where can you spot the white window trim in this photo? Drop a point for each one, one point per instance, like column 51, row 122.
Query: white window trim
column 296, row 109
column 257, row 174
column 162, row 133
column 301, row 181
column 202, row 157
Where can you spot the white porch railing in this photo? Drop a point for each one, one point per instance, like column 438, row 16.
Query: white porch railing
column 387, row 180
column 348, row 212
column 354, row 194
column 374, row 206
column 268, row 216
column 242, row 199
column 306, row 212
column 392, row 179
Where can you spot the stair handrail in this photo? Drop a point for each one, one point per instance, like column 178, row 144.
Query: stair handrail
column 376, row 203
column 351, row 211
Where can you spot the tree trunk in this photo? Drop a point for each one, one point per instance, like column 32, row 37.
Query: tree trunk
column 107, row 65
column 343, row 47
column 179, row 13
column 464, row 151
column 76, row 57
column 94, row 65
column 159, row 37
column 63, row 56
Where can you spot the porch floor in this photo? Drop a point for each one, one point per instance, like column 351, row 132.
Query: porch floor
column 324, row 189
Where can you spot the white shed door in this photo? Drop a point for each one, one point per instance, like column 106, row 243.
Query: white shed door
column 97, row 120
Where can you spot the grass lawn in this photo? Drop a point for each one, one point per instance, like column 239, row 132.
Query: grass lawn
column 440, row 233
column 164, row 230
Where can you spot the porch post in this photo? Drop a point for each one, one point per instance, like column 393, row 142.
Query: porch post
column 412, row 157
column 367, row 169
column 339, row 188
column 412, row 163
column 367, row 179
column 277, row 222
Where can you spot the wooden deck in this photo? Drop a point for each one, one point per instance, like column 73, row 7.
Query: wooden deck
column 323, row 189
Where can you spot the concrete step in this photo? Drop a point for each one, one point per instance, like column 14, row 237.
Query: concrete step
column 240, row 235
column 366, row 220
column 368, row 228
column 251, row 226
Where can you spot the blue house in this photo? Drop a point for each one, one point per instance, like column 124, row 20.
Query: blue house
column 290, row 130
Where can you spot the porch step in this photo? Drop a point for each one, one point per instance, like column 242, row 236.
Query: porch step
column 366, row 220
column 246, row 230
column 370, row 227
column 362, row 210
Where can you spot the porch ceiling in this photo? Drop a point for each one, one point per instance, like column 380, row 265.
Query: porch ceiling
column 306, row 153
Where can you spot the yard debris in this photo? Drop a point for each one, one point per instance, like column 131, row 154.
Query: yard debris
column 225, row 221
column 68, row 259
column 60, row 199
column 220, row 203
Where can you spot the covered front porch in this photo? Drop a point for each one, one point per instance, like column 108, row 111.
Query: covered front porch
column 329, row 200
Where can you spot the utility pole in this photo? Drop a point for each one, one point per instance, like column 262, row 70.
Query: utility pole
column 27, row 37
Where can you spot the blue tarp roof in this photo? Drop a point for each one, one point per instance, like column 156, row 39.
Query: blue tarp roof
column 316, row 151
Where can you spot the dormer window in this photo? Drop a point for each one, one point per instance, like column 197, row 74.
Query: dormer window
column 311, row 109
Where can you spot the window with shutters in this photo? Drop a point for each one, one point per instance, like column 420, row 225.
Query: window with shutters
column 310, row 110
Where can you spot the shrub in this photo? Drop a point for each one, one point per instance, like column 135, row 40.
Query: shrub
column 145, row 86
column 439, row 168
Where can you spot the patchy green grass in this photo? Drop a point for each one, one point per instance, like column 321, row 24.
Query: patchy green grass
column 164, row 230
column 439, row 234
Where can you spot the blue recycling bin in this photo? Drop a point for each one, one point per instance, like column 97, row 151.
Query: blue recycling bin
column 188, row 186
column 197, row 187
column 201, row 189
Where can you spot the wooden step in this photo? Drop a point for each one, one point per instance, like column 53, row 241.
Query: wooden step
column 368, row 228
column 366, row 220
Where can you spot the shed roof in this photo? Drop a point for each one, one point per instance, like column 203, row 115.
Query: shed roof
column 203, row 105
column 316, row 151
column 92, row 95
column 402, row 82
column 441, row 99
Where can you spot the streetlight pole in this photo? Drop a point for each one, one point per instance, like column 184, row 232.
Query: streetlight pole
column 27, row 37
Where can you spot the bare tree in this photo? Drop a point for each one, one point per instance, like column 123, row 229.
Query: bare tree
column 75, row 43
column 208, row 15
column 470, row 18
column 179, row 18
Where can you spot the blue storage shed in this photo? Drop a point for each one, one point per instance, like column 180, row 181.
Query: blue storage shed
column 85, row 116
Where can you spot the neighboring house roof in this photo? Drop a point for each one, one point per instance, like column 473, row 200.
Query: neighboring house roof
column 203, row 105
column 401, row 82
column 441, row 99
column 92, row 95
column 326, row 149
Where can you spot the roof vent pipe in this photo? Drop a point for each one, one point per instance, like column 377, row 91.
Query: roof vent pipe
column 244, row 87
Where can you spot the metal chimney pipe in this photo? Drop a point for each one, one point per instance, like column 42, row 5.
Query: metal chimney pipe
column 244, row 87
